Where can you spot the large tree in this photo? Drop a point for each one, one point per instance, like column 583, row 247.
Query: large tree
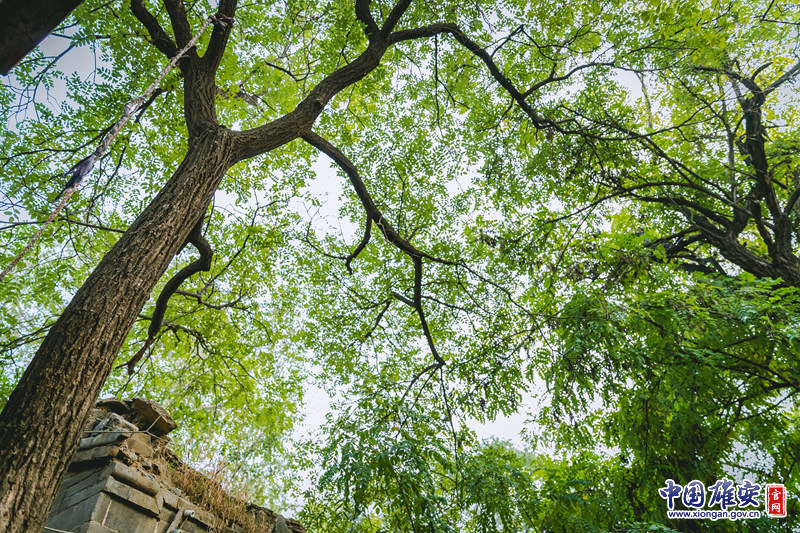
column 524, row 219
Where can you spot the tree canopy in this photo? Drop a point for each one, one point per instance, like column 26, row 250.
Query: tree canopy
column 594, row 205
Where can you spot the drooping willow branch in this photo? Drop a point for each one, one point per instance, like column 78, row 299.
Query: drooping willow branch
column 201, row 264
column 83, row 167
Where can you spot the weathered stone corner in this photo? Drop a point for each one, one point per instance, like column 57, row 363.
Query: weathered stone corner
column 121, row 481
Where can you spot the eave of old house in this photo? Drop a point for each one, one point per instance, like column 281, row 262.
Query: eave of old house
column 124, row 478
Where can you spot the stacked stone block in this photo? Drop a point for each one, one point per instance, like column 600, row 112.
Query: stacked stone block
column 119, row 482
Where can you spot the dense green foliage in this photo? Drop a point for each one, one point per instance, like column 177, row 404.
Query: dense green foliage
column 575, row 261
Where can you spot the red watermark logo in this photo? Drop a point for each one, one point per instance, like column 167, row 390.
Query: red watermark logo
column 775, row 500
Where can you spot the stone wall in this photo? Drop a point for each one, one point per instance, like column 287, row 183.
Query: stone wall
column 124, row 479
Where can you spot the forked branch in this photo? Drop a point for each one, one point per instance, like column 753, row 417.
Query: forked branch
column 375, row 215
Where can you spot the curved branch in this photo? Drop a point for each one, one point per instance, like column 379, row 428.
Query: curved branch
column 201, row 264
column 421, row 313
column 374, row 214
column 453, row 29
column 361, row 245
column 792, row 201
column 786, row 76
column 553, row 78
column 751, row 85
column 361, row 190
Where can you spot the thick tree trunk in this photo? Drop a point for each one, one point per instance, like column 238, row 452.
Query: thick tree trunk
column 41, row 424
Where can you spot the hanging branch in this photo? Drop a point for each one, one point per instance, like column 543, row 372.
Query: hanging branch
column 84, row 166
